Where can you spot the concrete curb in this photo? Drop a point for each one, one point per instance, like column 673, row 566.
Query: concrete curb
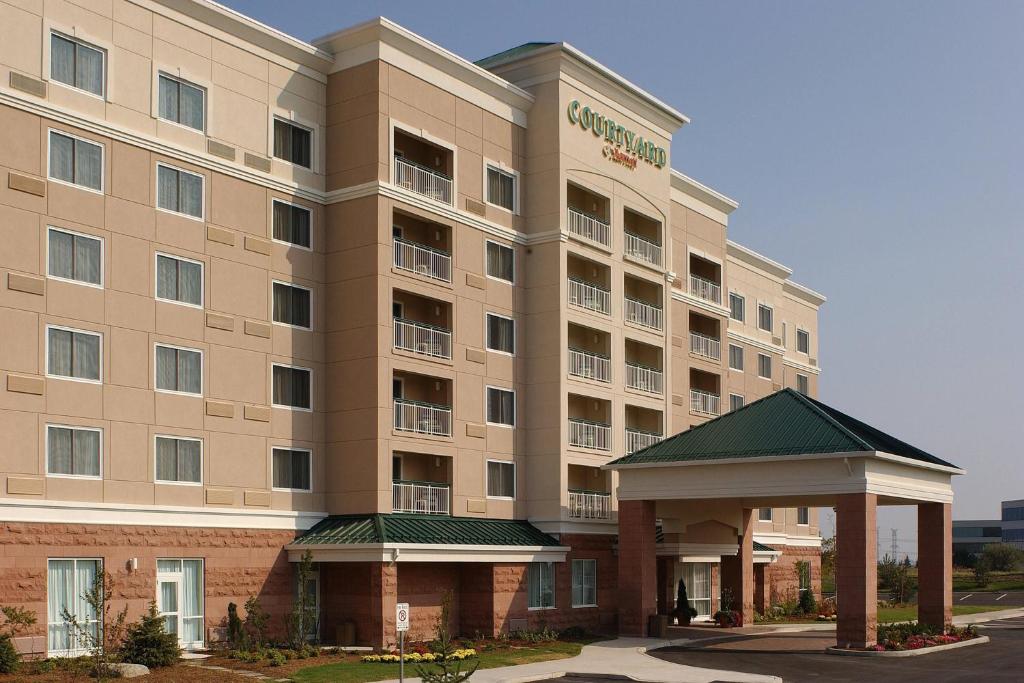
column 980, row 640
column 982, row 617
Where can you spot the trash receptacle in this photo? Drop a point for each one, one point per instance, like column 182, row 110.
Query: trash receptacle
column 657, row 626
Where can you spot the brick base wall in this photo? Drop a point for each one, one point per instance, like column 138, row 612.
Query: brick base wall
column 780, row 581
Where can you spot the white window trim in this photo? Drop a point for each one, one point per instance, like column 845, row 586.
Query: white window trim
column 504, row 246
column 296, row 286
column 202, row 464
column 311, row 390
column 103, row 260
column 554, row 583
column 806, row 379
column 502, row 168
column 771, row 514
column 808, row 522
column 515, row 477
column 202, row 200
column 187, row 79
column 733, row 292
column 758, row 321
column 46, row 452
column 315, row 136
column 764, row 355
column 743, row 355
column 46, row 351
column 202, row 280
column 585, row 605
column 173, row 575
column 202, row 369
column 72, row 34
column 487, row 405
column 100, row 568
column 103, row 161
column 394, row 125
column 309, row 455
column 800, row 330
column 275, row 200
column 739, row 396
column 487, row 332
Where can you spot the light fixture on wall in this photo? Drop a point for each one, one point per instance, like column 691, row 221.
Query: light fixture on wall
column 437, row 461
column 437, row 310
column 437, row 386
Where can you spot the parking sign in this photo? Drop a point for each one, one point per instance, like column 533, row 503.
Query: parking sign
column 402, row 616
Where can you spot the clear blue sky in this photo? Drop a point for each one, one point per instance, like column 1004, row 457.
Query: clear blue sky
column 874, row 147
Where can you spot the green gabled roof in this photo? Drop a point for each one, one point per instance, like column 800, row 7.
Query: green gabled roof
column 424, row 529
column 784, row 423
column 510, row 53
column 762, row 548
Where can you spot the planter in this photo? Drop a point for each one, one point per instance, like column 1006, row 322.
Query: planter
column 980, row 640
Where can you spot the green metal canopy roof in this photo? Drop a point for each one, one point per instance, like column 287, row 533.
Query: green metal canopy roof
column 424, row 529
column 762, row 548
column 784, row 423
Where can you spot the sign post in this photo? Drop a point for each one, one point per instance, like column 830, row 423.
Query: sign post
column 401, row 625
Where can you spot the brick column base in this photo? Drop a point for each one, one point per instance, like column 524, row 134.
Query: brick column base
column 857, row 570
column 738, row 571
column 638, row 587
column 935, row 564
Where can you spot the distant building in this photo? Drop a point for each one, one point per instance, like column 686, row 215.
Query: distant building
column 1013, row 523
column 972, row 535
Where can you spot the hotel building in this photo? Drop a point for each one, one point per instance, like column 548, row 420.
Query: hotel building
column 362, row 298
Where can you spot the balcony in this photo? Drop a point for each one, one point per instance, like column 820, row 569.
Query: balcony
column 423, row 260
column 704, row 403
column 588, row 434
column 643, row 378
column 420, row 497
column 589, row 365
column 705, row 346
column 589, row 296
column 641, row 249
column 422, row 180
column 643, row 314
column 590, row 504
column 421, row 338
column 638, row 438
column 705, row 289
column 588, row 226
column 420, row 417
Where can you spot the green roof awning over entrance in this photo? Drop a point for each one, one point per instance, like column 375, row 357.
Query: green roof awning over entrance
column 762, row 548
column 424, row 529
column 782, row 424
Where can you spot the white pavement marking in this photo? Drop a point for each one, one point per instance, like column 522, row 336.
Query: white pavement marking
column 966, row 596
column 1001, row 596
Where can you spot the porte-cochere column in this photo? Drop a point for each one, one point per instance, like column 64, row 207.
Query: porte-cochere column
column 638, row 566
column 857, row 570
column 935, row 564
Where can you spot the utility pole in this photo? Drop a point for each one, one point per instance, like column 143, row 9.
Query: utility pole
column 895, row 544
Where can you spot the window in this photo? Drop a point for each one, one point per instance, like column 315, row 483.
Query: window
column 804, row 571
column 803, row 516
column 736, row 357
column 764, row 366
column 501, row 406
column 291, row 224
column 765, row 317
column 178, row 460
column 501, row 188
column 291, row 469
column 76, row 161
column 500, row 261
column 179, row 280
column 735, row 401
column 293, row 143
column 501, row 333
column 803, row 341
column 737, row 307
column 801, row 384
column 584, row 583
column 540, row 580
column 501, row 479
column 73, row 451
column 182, row 102
column 73, row 353
column 77, row 64
column 764, row 514
column 76, row 257
column 291, row 305
column 180, row 599
column 179, row 191
column 291, row 387
column 785, row 334
column 179, row 370
column 66, row 580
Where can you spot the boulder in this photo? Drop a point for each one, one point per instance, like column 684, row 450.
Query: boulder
column 130, row 670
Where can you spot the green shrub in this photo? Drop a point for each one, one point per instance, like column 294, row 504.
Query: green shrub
column 236, row 633
column 9, row 658
column 276, row 657
column 256, row 619
column 1001, row 557
column 808, row 605
column 148, row 643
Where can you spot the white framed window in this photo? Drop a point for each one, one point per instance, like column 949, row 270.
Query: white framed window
column 540, row 582
column 737, row 307
column 803, row 516
column 179, row 280
column 181, row 102
column 180, row 191
column 291, row 387
column 178, row 460
column 74, row 451
column 500, row 261
column 179, row 599
column 764, row 514
column 501, row 406
column 74, row 257
column 75, row 161
column 74, row 354
column 735, row 357
column 501, row 479
column 292, row 468
column 803, row 341
column 293, row 143
column 77, row 64
column 291, row 223
column 764, row 366
column 178, row 370
column 584, row 583
column 765, row 318
column 501, row 334
column 735, row 401
column 502, row 187
column 802, row 384
column 67, row 579
column 291, row 304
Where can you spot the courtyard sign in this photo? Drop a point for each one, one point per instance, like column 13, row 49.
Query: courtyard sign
column 622, row 146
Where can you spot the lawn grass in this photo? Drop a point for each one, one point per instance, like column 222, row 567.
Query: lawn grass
column 888, row 615
column 353, row 672
column 963, row 580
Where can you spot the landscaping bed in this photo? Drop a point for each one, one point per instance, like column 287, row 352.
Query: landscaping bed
column 909, row 639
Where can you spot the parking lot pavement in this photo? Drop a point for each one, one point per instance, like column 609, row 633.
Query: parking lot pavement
column 1004, row 599
column 1000, row 660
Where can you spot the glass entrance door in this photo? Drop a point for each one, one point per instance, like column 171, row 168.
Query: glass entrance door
column 168, row 591
column 180, row 599
column 697, row 576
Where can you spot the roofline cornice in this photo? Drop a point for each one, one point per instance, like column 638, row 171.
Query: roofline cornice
column 701, row 192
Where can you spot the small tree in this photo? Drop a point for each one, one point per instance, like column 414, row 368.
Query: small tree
column 982, row 569
column 237, row 639
column 1001, row 557
column 302, row 622
column 256, row 619
column 683, row 609
column 148, row 642
column 447, row 669
column 806, row 601
column 894, row 576
column 101, row 637
column 16, row 620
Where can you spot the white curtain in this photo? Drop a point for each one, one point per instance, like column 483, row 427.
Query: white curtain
column 86, row 363
column 584, row 582
column 501, row 479
column 86, row 452
column 62, row 60
column 59, row 450
column 191, row 194
column 168, row 98
column 192, row 601
column 59, row 360
column 61, row 254
column 167, row 188
column 88, row 164
column 60, row 590
column 190, row 282
column 166, row 368
column 501, row 407
column 85, row 576
column 62, row 157
column 89, row 69
column 500, row 188
column 190, row 371
column 167, row 278
column 501, row 334
column 87, row 259
column 499, row 261
column 166, row 459
column 191, row 103
column 169, row 605
column 189, row 461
